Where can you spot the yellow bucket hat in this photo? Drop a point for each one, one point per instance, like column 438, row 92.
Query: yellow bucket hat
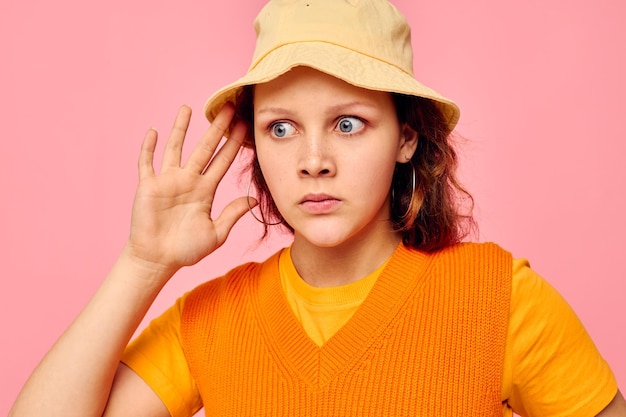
column 366, row 43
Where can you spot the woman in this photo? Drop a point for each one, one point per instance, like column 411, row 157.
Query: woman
column 375, row 308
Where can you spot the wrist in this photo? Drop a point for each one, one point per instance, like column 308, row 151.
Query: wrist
column 144, row 271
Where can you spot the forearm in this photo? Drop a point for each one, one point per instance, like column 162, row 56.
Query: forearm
column 172, row 226
column 75, row 376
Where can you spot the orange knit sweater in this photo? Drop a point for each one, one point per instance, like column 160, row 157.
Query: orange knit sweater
column 427, row 341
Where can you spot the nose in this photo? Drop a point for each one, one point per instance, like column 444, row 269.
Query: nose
column 316, row 157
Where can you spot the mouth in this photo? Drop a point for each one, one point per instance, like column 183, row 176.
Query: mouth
column 319, row 203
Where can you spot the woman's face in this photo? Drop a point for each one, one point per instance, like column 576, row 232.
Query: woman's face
column 327, row 150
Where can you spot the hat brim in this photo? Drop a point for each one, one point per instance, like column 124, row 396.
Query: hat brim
column 350, row 66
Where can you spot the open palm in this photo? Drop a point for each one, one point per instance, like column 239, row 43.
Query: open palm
column 171, row 221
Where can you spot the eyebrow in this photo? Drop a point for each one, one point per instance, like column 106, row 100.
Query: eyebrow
column 337, row 108
column 351, row 104
column 279, row 110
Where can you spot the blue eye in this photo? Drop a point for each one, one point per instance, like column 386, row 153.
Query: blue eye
column 282, row 129
column 349, row 124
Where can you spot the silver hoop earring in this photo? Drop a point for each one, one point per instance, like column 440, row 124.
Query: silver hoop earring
column 413, row 183
column 252, row 212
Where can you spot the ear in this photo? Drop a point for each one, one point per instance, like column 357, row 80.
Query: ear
column 408, row 143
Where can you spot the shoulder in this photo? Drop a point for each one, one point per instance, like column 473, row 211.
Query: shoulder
column 235, row 283
column 475, row 252
column 552, row 365
column 474, row 260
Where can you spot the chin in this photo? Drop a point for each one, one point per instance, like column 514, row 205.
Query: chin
column 323, row 242
column 323, row 237
column 331, row 233
column 327, row 236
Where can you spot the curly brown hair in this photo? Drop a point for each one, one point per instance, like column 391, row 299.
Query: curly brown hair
column 435, row 214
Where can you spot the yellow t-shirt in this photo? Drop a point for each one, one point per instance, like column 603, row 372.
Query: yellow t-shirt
column 544, row 339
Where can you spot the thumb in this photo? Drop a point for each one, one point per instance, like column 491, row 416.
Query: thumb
column 231, row 214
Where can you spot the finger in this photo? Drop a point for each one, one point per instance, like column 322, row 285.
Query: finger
column 227, row 153
column 204, row 150
column 146, row 155
column 174, row 147
column 230, row 215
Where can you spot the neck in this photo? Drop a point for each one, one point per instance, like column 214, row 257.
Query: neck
column 341, row 265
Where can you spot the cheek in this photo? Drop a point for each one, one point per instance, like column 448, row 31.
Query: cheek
column 372, row 177
column 267, row 161
column 379, row 163
column 381, row 181
column 272, row 170
column 261, row 151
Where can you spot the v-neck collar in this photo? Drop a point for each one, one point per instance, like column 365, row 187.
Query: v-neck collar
column 291, row 346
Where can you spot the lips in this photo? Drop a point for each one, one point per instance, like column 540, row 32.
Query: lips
column 319, row 203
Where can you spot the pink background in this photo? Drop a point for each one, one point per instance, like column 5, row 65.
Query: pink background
column 540, row 85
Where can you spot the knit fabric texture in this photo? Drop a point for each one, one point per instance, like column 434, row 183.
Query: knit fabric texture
column 427, row 341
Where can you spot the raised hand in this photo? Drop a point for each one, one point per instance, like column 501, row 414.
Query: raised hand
column 172, row 225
